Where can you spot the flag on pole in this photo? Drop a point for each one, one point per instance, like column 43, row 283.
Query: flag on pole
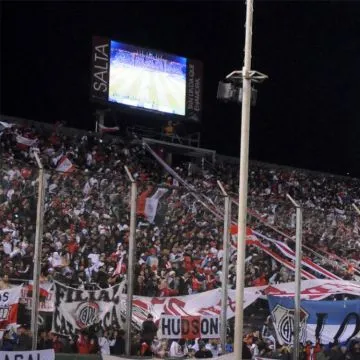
column 65, row 165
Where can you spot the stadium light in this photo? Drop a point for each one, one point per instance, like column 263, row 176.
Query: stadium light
column 242, row 80
column 225, row 267
column 131, row 255
column 37, row 251
column 298, row 257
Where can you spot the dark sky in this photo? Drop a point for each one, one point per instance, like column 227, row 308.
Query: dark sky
column 307, row 112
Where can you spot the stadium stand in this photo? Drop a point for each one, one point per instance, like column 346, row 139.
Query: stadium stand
column 179, row 252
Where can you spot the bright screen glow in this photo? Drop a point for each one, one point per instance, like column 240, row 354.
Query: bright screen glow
column 146, row 79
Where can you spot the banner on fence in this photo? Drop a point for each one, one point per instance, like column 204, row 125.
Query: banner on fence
column 328, row 321
column 46, row 296
column 315, row 289
column 9, row 303
column 204, row 304
column 28, row 355
column 80, row 309
column 189, row 327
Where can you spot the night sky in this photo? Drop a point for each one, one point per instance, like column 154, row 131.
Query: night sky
column 307, row 112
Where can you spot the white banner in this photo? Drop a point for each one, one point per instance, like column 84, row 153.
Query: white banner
column 206, row 303
column 152, row 203
column 9, row 303
column 315, row 289
column 189, row 327
column 28, row 355
column 77, row 309
column 209, row 302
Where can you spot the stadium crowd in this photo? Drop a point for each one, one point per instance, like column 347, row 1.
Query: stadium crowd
column 86, row 219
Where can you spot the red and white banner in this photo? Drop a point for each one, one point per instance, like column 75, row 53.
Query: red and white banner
column 24, row 143
column 315, row 289
column 288, row 252
column 189, row 327
column 209, row 302
column 250, row 235
column 46, row 296
column 206, row 303
column 9, row 303
column 306, row 262
column 65, row 165
column 288, row 264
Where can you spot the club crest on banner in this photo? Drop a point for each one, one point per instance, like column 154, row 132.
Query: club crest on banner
column 284, row 318
column 87, row 314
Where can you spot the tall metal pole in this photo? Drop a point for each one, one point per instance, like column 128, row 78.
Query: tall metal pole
column 37, row 253
column 131, row 255
column 297, row 299
column 225, row 267
column 243, row 183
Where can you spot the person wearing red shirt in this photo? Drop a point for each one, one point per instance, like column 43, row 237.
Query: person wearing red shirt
column 57, row 345
column 83, row 344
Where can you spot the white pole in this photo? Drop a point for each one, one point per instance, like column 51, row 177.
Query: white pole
column 356, row 209
column 37, row 254
column 297, row 299
column 131, row 255
column 298, row 282
column 243, row 184
column 225, row 267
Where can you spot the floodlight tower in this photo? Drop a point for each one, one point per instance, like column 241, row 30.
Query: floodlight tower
column 237, row 87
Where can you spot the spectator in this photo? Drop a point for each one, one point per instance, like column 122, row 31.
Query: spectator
column 22, row 339
column 57, row 345
column 8, row 343
column 105, row 343
column 83, row 344
column 44, row 341
column 203, row 352
column 118, row 346
column 149, row 330
column 178, row 349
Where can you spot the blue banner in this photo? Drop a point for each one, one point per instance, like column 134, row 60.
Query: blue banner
column 328, row 321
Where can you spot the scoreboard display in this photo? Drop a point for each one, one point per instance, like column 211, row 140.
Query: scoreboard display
column 146, row 79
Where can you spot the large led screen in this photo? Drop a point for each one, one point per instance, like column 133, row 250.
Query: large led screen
column 147, row 79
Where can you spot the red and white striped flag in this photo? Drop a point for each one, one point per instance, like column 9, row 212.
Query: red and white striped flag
column 65, row 165
column 24, row 143
column 250, row 236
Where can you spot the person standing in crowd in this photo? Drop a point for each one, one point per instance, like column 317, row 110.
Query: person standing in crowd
column 118, row 346
column 178, row 349
column 44, row 341
column 22, row 339
column 148, row 331
column 203, row 352
column 104, row 343
column 8, row 342
column 83, row 344
column 57, row 345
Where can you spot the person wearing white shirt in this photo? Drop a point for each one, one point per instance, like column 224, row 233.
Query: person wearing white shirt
column 178, row 349
column 105, row 343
